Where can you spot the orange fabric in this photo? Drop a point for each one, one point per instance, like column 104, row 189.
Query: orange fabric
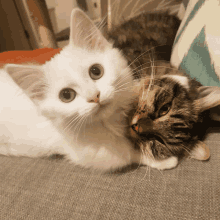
column 38, row 56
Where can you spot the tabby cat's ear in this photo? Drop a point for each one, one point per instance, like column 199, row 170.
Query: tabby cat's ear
column 29, row 78
column 84, row 33
column 200, row 152
column 209, row 98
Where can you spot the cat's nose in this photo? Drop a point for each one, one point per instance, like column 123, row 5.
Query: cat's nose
column 142, row 126
column 135, row 127
column 94, row 98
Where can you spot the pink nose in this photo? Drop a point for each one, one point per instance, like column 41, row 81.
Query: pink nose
column 95, row 98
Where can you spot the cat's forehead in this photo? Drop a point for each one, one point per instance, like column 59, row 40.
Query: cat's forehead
column 72, row 65
column 76, row 57
column 181, row 80
column 162, row 88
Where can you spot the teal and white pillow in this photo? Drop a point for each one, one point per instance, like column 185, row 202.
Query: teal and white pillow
column 196, row 49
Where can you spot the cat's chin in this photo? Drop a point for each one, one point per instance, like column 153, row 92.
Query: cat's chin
column 102, row 111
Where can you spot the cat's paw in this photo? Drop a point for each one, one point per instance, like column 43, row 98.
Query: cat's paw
column 165, row 164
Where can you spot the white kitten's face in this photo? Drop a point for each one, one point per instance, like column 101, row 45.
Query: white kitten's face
column 72, row 69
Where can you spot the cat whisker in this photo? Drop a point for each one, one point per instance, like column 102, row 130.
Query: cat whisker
column 124, row 8
column 91, row 120
column 103, row 22
column 143, row 97
column 146, row 168
column 140, row 7
column 143, row 54
column 137, row 58
column 152, row 77
column 83, row 121
column 134, row 8
column 18, row 92
column 72, row 120
column 112, row 12
column 146, row 150
column 120, row 90
column 161, row 67
column 163, row 5
column 118, row 86
column 120, row 79
column 77, row 127
column 185, row 148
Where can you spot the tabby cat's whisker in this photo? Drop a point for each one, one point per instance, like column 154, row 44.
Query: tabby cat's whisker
column 152, row 77
column 146, row 150
column 185, row 148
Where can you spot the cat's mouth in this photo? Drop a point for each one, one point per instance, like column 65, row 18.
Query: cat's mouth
column 153, row 137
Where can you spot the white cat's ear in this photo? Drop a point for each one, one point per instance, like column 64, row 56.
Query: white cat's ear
column 29, row 78
column 209, row 98
column 200, row 152
column 84, row 33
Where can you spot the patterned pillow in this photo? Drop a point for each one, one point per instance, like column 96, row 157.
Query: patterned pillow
column 196, row 49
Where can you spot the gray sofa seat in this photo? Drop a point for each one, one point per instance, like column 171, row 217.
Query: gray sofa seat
column 54, row 189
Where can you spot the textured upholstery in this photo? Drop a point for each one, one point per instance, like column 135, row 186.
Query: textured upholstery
column 54, row 189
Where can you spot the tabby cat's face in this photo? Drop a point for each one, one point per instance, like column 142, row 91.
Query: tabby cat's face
column 165, row 116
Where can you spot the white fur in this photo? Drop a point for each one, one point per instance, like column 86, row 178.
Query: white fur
column 168, row 163
column 182, row 80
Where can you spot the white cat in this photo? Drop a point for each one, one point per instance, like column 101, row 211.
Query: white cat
column 75, row 104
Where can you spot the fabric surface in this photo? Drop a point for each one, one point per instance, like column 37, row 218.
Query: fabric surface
column 54, row 189
column 196, row 48
column 21, row 57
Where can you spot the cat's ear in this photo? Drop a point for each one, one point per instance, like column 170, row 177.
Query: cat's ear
column 209, row 98
column 29, row 78
column 84, row 33
column 200, row 152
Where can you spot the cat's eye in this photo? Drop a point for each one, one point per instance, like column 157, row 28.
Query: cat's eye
column 67, row 95
column 96, row 71
column 165, row 109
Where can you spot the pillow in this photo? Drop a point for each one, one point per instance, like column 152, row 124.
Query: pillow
column 196, row 49
column 37, row 56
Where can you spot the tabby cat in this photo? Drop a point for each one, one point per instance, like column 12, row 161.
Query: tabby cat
column 168, row 119
column 165, row 121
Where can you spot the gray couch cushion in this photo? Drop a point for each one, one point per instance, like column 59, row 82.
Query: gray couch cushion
column 54, row 189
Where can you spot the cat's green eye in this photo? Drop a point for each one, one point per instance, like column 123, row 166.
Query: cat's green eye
column 96, row 71
column 165, row 109
column 67, row 95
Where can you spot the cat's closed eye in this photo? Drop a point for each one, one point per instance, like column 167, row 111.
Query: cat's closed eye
column 165, row 109
column 67, row 95
column 96, row 71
